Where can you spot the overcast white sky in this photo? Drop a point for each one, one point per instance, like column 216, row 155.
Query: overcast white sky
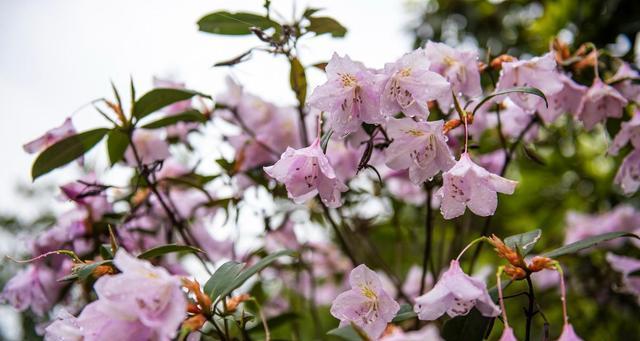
column 57, row 55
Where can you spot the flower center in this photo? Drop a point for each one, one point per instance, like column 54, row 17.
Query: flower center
column 348, row 80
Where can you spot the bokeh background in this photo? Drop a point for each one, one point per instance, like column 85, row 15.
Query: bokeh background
column 58, row 55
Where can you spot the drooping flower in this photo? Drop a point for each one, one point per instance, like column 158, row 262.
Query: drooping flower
column 622, row 218
column 64, row 328
column 143, row 300
column 629, row 132
column 306, row 172
column 149, row 147
column 420, row 146
column 457, row 66
column 508, row 335
column 538, row 72
column 351, row 95
column 401, row 187
column 366, row 305
column 564, row 101
column 50, row 137
column 626, row 266
column 628, row 176
column 516, row 120
column 469, row 185
column 600, row 101
column 344, row 159
column 34, row 288
column 456, row 293
column 624, row 83
column 409, row 84
column 429, row 332
column 568, row 334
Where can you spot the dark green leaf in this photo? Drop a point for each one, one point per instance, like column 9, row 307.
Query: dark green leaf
column 310, row 11
column 471, row 327
column 66, row 150
column 236, row 60
column 324, row 141
column 523, row 241
column 222, row 278
column 239, row 23
column 86, row 270
column 164, row 249
column 105, row 251
column 117, row 143
column 526, row 90
column 157, row 99
column 322, row 25
column 187, row 116
column 586, row 243
column 348, row 333
column 635, row 273
column 405, row 313
column 298, row 80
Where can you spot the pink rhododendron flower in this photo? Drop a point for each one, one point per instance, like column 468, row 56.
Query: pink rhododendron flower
column 34, row 288
column 600, row 101
column 624, row 82
column 493, row 161
column 626, row 265
column 50, row 137
column 400, row 187
column 351, row 95
column 306, row 172
column 150, row 148
column 428, row 333
column 419, row 146
column 568, row 334
column 458, row 66
column 515, row 120
column 567, row 100
column 411, row 285
column 629, row 133
column 508, row 335
column 64, row 328
column 628, row 176
column 344, row 159
column 456, row 293
column 624, row 218
column 367, row 305
column 469, row 185
column 409, row 85
column 538, row 72
column 143, row 301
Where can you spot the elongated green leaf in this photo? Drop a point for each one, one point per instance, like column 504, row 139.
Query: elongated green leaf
column 405, row 313
column 187, row 116
column 117, row 143
column 322, row 25
column 523, row 241
column 157, row 99
column 164, row 249
column 349, row 333
column 298, row 80
column 66, row 150
column 239, row 23
column 86, row 270
column 586, row 243
column 222, row 278
column 254, row 269
column 526, row 90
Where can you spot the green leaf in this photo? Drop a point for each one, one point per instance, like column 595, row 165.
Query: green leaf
column 254, row 269
column 164, row 249
column 239, row 23
column 310, row 11
column 222, row 278
column 187, row 116
column 526, row 90
column 470, row 327
column 117, row 143
column 349, row 333
column 298, row 80
column 322, row 25
column 86, row 270
column 105, row 251
column 157, row 99
column 324, row 141
column 586, row 243
column 405, row 313
column 66, row 150
column 523, row 241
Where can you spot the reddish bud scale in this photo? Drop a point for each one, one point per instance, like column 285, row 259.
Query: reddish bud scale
column 496, row 63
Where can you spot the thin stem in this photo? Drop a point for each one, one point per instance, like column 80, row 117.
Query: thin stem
column 341, row 239
column 473, row 242
column 530, row 311
column 428, row 226
column 563, row 293
column 501, row 298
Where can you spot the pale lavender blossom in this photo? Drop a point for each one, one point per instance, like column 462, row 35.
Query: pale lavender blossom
column 564, row 101
column 411, row 285
column 624, row 82
column 50, row 137
column 514, row 121
column 306, row 172
column 344, row 159
column 64, row 328
column 149, row 147
column 366, row 305
column 409, row 85
column 622, row 218
column 420, row 146
column 626, row 266
column 629, row 133
column 538, row 72
column 456, row 293
column 508, row 335
column 568, row 334
column 429, row 332
column 35, row 288
column 397, row 182
column 628, row 176
column 351, row 95
column 600, row 101
column 458, row 66
column 492, row 161
column 469, row 185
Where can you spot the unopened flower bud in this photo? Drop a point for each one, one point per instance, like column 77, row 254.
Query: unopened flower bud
column 496, row 63
column 194, row 322
column 233, row 302
column 515, row 272
column 539, row 263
